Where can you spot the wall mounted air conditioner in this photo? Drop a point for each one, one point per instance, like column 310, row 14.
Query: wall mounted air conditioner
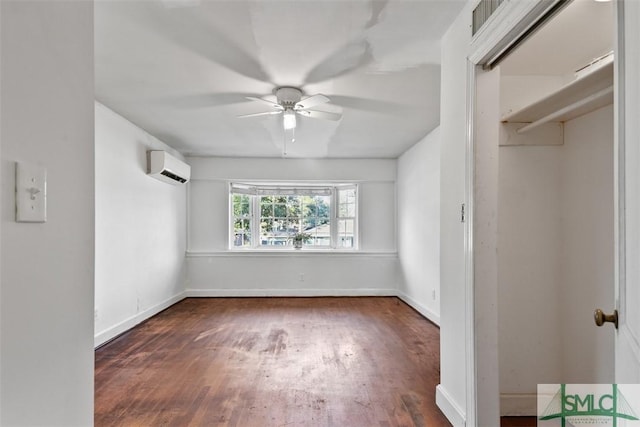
column 167, row 168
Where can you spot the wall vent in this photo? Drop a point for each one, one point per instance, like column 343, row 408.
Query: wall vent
column 482, row 12
column 174, row 176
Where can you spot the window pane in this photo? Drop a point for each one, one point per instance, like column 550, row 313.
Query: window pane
column 294, row 205
column 308, row 223
column 280, row 224
column 266, row 225
column 347, row 203
column 266, row 210
column 347, row 210
column 241, row 205
column 273, row 232
column 345, row 233
column 280, row 210
column 242, row 232
column 241, row 220
column 347, row 196
column 320, row 234
column 323, row 206
column 316, row 211
column 311, row 223
column 351, row 210
column 342, row 196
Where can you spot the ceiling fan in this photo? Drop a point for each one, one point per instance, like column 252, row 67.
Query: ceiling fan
column 289, row 103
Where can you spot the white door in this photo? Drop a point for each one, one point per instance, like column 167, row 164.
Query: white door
column 627, row 347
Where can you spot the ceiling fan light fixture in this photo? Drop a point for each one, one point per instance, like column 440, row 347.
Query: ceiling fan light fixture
column 289, row 103
column 289, row 120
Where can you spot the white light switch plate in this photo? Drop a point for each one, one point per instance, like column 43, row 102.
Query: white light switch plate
column 31, row 193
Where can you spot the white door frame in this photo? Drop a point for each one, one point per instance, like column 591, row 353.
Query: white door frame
column 471, row 371
column 619, row 168
column 502, row 29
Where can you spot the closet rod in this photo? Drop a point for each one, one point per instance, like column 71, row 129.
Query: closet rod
column 569, row 108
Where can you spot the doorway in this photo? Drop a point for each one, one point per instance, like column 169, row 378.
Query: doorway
column 544, row 144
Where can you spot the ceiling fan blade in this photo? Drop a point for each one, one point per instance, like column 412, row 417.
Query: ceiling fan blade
column 353, row 55
column 366, row 104
column 320, row 115
column 266, row 101
column 311, row 101
column 264, row 113
column 186, row 29
column 207, row 100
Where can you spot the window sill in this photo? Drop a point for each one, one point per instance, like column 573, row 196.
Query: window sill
column 291, row 252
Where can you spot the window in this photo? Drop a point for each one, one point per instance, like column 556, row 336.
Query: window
column 346, row 217
column 268, row 216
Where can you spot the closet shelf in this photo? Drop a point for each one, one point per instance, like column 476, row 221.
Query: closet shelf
column 586, row 94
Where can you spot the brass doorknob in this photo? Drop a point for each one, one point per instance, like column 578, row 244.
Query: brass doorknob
column 601, row 318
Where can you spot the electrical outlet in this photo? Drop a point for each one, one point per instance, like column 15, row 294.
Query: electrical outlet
column 433, row 294
column 95, row 314
column 302, row 277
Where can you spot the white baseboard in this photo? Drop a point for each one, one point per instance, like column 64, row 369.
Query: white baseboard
column 449, row 408
column 112, row 332
column 518, row 404
column 290, row 292
column 420, row 308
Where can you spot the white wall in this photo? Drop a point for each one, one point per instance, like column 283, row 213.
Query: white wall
column 214, row 270
column 47, row 269
column 555, row 261
column 451, row 393
column 418, row 186
column 529, row 281
column 140, row 229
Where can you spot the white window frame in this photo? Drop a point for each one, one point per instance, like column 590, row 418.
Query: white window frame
column 255, row 191
column 335, row 215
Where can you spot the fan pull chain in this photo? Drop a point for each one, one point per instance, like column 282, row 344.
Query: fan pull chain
column 284, row 137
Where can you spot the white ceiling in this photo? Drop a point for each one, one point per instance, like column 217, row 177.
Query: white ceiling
column 181, row 69
column 580, row 33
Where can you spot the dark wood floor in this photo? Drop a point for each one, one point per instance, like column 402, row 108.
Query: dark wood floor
column 273, row 362
column 518, row 422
